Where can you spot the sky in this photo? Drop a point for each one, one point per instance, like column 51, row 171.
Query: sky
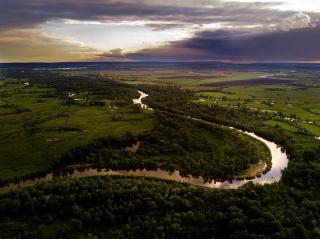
column 154, row 30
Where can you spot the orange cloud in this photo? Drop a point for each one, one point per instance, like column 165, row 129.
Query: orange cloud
column 19, row 45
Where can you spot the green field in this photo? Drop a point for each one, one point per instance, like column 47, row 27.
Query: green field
column 285, row 126
column 36, row 129
column 311, row 128
column 295, row 106
column 188, row 80
column 235, row 77
column 292, row 102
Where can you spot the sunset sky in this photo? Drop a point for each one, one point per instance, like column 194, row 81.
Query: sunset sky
column 153, row 30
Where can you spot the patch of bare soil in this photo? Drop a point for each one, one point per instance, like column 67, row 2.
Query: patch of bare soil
column 134, row 148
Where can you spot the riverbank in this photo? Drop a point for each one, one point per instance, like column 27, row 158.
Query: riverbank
column 278, row 157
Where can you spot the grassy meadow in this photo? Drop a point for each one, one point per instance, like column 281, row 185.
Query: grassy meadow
column 37, row 129
column 298, row 107
column 295, row 103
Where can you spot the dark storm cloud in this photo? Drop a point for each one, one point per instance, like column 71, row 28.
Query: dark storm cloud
column 262, row 33
column 294, row 45
column 25, row 14
column 17, row 13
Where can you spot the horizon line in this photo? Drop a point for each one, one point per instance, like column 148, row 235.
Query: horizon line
column 196, row 61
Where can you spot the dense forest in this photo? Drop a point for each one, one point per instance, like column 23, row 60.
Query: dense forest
column 118, row 207
column 179, row 102
column 98, row 85
column 121, row 207
column 194, row 148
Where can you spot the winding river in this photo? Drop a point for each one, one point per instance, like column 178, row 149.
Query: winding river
column 139, row 100
column 279, row 163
